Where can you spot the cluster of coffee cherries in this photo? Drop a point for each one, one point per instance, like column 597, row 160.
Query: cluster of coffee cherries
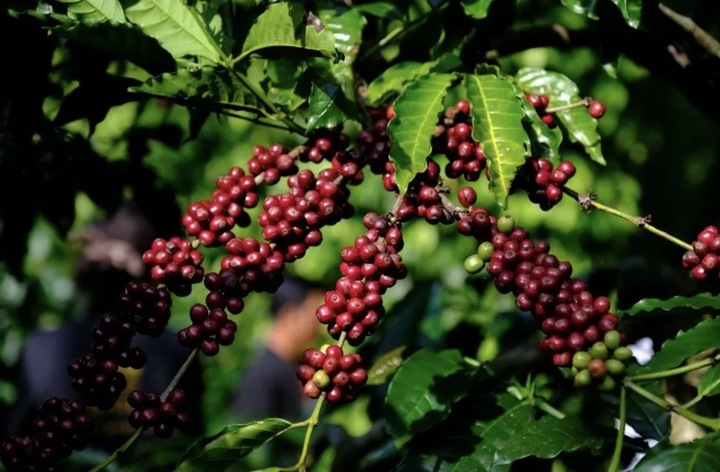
column 572, row 319
column 540, row 102
column 374, row 142
column 60, row 427
column 211, row 221
column 423, row 199
column 174, row 263
column 330, row 371
column 292, row 221
column 542, row 182
column 143, row 308
column 602, row 363
column 163, row 416
column 272, row 162
column 704, row 258
column 369, row 268
column 209, row 330
column 453, row 136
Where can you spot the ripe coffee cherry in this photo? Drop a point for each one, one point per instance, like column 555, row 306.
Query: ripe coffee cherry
column 596, row 109
column 467, row 196
column 597, row 368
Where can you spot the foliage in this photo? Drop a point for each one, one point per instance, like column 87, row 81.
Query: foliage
column 156, row 99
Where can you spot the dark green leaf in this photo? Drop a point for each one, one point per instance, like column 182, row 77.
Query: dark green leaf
column 95, row 10
column 92, row 99
column 417, row 111
column 385, row 366
column 584, row 7
column 544, row 141
column 580, row 126
column 328, row 105
column 710, row 382
column 122, row 40
column 385, row 10
column 282, row 31
column 698, row 456
column 178, row 27
column 493, row 446
column 206, row 86
column 697, row 304
column 423, row 390
column 231, row 444
column 704, row 335
column 631, row 10
column 497, row 125
column 645, row 417
column 477, row 9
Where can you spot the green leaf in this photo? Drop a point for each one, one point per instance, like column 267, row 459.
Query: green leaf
column 631, row 11
column 417, row 111
column 282, row 31
column 92, row 99
column 423, row 390
column 544, row 141
column 698, row 456
column 648, row 419
column 493, row 446
column 704, row 335
column 583, row 7
column 497, row 125
column 231, row 444
column 177, row 27
column 327, row 105
column 202, row 87
column 346, row 27
column 697, row 304
column 385, row 366
column 579, row 125
column 710, row 382
column 477, row 9
column 95, row 10
column 384, row 10
column 122, row 40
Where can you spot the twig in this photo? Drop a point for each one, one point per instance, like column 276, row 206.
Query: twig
column 700, row 36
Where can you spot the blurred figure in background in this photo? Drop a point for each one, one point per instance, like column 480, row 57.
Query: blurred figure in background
column 111, row 257
column 269, row 387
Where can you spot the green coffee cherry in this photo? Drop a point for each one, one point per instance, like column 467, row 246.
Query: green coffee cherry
column 606, row 384
column 583, row 378
column 321, row 379
column 612, row 339
column 615, row 367
column 485, row 250
column 505, row 224
column 474, row 264
column 599, row 350
column 581, row 359
column 623, row 354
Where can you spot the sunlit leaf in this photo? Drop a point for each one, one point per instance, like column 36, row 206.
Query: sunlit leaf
column 698, row 456
column 391, row 82
column 417, row 111
column 95, row 10
column 631, row 10
column 679, row 305
column 580, row 126
column 328, row 105
column 282, row 30
column 477, row 9
column 497, row 125
column 178, row 28
column 385, row 366
column 705, row 335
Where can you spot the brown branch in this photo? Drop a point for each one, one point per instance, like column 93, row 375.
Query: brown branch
column 700, row 36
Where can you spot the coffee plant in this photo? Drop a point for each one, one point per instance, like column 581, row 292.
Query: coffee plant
column 464, row 176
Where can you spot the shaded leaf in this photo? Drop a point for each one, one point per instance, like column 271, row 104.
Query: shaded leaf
column 393, row 80
column 282, row 31
column 477, row 9
column 417, row 111
column 583, row 7
column 122, row 40
column 385, row 366
column 497, row 125
column 206, row 86
column 710, row 382
column 327, row 105
column 423, row 390
column 704, row 335
column 384, row 10
column 631, row 10
column 544, row 141
column 95, row 10
column 697, row 304
column 579, row 125
column 698, row 456
column 645, row 417
column 231, row 444
column 177, row 27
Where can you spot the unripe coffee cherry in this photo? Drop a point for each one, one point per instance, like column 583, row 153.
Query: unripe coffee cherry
column 583, row 378
column 615, row 367
column 321, row 379
column 485, row 250
column 607, row 384
column 599, row 350
column 474, row 264
column 581, row 359
column 612, row 340
column 623, row 354
column 505, row 224
column 597, row 368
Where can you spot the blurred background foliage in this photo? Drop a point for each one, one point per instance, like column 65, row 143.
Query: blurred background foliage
column 662, row 153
